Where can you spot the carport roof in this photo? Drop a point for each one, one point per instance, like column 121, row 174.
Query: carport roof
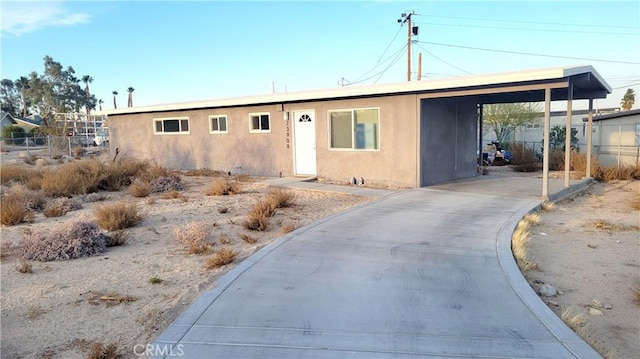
column 521, row 86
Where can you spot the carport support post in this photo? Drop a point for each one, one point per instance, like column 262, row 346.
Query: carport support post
column 567, row 139
column 589, row 137
column 545, row 147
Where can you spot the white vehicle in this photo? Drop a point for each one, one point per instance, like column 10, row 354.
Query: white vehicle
column 102, row 137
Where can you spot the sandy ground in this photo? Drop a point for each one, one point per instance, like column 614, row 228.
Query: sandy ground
column 588, row 248
column 54, row 311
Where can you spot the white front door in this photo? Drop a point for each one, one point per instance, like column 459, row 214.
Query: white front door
column 304, row 127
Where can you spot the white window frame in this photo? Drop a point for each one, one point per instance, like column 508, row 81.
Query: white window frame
column 163, row 133
column 218, row 131
column 251, row 129
column 353, row 139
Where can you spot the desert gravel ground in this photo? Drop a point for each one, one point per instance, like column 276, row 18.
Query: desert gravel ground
column 588, row 248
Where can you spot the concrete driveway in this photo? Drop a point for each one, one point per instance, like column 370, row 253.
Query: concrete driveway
column 420, row 273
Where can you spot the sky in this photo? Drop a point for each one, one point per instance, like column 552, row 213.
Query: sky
column 199, row 50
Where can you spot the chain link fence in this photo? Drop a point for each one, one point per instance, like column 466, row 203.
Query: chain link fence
column 52, row 146
column 613, row 144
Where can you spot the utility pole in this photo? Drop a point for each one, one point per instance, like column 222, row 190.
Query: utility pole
column 419, row 66
column 406, row 18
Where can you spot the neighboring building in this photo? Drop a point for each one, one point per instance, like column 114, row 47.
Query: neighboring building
column 532, row 134
column 6, row 120
column 616, row 138
column 408, row 134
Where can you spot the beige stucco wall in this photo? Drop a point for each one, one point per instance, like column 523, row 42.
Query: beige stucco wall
column 269, row 154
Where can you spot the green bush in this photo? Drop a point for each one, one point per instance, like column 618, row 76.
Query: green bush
column 38, row 135
column 13, row 135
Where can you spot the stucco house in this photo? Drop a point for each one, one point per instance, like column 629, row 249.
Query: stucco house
column 6, row 119
column 616, row 138
column 406, row 134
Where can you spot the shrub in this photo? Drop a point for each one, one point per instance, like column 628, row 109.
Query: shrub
column 16, row 174
column 556, row 160
column 173, row 194
column 194, row 235
column 117, row 238
column 78, row 177
column 13, row 210
column 199, row 248
column 13, row 135
column 192, row 232
column 155, row 280
column 247, row 238
column 287, row 228
column 79, row 152
column 166, row 184
column 24, row 267
column 520, row 244
column 523, row 158
column 60, row 206
column 153, row 170
column 32, row 200
column 94, row 197
column 258, row 217
column 224, row 187
column 117, row 216
column 69, row 241
column 140, row 188
column 222, row 257
column 120, row 174
column 280, row 197
column 223, row 239
column 103, row 351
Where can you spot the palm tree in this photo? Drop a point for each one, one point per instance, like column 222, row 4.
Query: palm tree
column 100, row 102
column 115, row 93
column 87, row 80
column 130, row 100
column 23, row 84
column 628, row 100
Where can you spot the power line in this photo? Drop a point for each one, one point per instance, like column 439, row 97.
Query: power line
column 358, row 80
column 590, row 25
column 530, row 53
column 538, row 30
column 629, row 85
column 388, row 67
column 450, row 64
column 390, row 42
column 398, row 54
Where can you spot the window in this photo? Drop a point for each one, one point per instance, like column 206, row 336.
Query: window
column 354, row 129
column 171, row 125
column 259, row 122
column 218, row 124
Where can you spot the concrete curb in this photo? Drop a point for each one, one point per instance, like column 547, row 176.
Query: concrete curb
column 569, row 339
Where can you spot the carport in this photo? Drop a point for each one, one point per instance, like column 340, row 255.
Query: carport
column 451, row 119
